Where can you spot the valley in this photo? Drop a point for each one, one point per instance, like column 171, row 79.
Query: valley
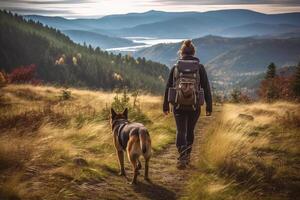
column 234, row 45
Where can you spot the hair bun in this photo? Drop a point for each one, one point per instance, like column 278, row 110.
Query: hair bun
column 187, row 48
column 187, row 43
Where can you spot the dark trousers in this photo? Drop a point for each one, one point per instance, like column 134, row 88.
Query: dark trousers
column 185, row 123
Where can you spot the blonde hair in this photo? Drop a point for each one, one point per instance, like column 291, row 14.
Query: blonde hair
column 187, row 48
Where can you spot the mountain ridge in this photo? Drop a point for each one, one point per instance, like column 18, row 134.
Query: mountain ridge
column 60, row 61
column 98, row 40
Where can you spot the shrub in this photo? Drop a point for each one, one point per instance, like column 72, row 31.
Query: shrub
column 237, row 96
column 120, row 103
column 276, row 88
column 24, row 74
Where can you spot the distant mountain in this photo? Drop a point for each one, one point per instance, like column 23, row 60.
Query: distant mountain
column 98, row 40
column 214, row 22
column 183, row 27
column 208, row 48
column 255, row 55
column 229, row 60
column 294, row 34
column 62, row 62
column 59, row 22
column 258, row 29
column 112, row 22
column 108, row 22
column 179, row 24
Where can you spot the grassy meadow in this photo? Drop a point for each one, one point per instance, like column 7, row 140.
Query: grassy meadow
column 50, row 136
column 57, row 143
column 250, row 152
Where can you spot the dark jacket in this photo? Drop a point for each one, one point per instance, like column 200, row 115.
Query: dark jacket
column 203, row 82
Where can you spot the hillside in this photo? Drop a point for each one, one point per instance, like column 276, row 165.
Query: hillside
column 259, row 29
column 230, row 60
column 218, row 51
column 98, row 40
column 61, row 61
column 195, row 25
column 256, row 55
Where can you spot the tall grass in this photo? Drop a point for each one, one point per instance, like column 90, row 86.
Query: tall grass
column 249, row 158
column 43, row 135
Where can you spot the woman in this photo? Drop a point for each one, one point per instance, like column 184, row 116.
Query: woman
column 186, row 119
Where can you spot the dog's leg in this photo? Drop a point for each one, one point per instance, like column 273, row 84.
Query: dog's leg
column 121, row 163
column 139, row 164
column 146, row 170
column 133, row 156
column 133, row 161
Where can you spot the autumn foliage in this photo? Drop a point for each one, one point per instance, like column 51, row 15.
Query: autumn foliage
column 275, row 87
column 24, row 74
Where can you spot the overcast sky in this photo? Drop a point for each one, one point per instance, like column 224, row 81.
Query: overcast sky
column 98, row 8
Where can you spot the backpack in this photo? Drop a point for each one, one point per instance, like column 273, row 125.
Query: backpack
column 186, row 92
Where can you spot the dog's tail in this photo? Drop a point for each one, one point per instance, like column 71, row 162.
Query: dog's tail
column 143, row 134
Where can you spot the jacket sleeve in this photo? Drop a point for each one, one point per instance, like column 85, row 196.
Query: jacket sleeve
column 206, row 87
column 169, row 84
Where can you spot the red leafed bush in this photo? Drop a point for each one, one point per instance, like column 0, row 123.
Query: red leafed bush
column 276, row 88
column 24, row 74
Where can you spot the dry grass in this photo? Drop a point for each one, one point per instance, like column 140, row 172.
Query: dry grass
column 251, row 158
column 41, row 135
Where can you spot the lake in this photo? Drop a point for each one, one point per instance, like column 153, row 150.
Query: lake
column 147, row 42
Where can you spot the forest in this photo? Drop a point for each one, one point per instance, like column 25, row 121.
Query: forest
column 60, row 61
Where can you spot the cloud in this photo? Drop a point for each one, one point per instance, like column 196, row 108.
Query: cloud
column 39, row 11
column 228, row 2
column 97, row 8
column 46, row 1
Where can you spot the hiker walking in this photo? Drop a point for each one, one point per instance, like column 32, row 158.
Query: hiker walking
column 186, row 90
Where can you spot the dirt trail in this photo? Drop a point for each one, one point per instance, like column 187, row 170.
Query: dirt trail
column 167, row 181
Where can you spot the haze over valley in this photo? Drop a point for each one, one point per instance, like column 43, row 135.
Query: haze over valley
column 234, row 45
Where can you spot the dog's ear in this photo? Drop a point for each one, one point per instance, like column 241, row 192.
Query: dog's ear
column 113, row 113
column 125, row 113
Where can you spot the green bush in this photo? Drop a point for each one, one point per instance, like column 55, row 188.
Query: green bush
column 122, row 101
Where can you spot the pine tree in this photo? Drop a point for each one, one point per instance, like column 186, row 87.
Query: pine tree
column 268, row 88
column 296, row 82
column 271, row 72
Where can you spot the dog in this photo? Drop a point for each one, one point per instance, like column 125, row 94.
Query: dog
column 133, row 138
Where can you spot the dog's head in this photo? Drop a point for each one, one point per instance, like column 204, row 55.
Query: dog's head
column 114, row 116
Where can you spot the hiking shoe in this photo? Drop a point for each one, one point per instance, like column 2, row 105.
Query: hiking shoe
column 188, row 159
column 182, row 161
column 181, row 164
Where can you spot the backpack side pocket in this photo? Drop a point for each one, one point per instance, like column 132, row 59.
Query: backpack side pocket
column 172, row 93
column 201, row 96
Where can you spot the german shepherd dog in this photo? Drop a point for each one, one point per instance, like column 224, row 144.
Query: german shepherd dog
column 132, row 138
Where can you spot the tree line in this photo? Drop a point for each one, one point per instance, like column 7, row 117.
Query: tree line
column 276, row 86
column 60, row 61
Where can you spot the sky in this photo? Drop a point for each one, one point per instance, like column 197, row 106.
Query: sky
column 99, row 8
